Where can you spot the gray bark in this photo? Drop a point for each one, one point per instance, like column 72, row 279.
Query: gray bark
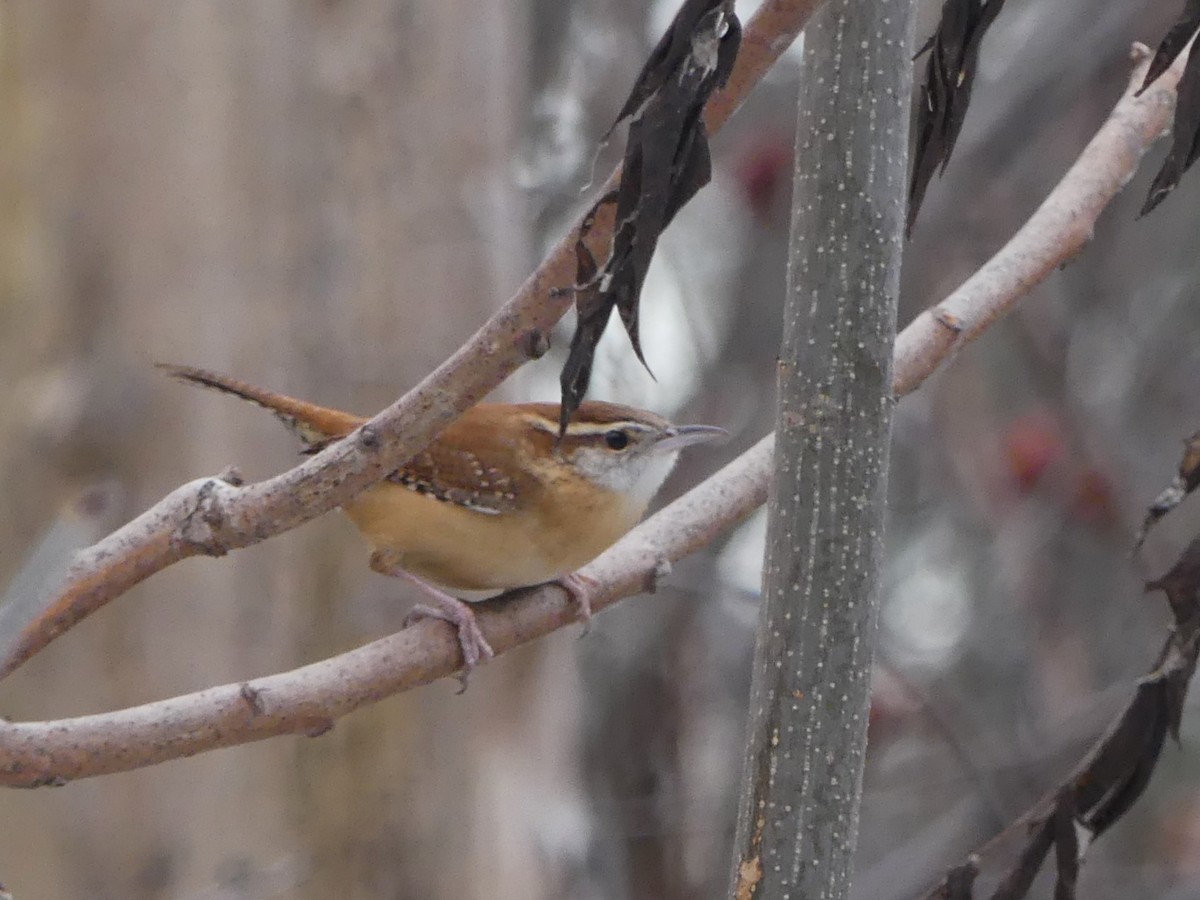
column 798, row 816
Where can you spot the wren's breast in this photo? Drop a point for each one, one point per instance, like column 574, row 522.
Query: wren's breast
column 468, row 550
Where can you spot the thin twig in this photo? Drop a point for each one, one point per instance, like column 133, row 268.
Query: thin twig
column 308, row 699
column 1114, row 772
column 234, row 517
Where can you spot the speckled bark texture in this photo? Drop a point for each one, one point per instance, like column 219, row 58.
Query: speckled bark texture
column 798, row 821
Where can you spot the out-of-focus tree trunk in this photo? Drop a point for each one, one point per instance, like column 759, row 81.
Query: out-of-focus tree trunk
column 312, row 196
column 798, row 814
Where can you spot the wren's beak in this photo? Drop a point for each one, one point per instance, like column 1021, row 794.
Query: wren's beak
column 679, row 436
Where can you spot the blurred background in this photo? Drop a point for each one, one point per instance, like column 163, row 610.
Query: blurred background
column 327, row 198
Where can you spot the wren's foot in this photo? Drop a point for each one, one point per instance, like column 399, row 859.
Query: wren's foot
column 580, row 587
column 475, row 648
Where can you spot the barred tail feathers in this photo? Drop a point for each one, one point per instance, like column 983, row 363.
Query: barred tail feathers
column 315, row 425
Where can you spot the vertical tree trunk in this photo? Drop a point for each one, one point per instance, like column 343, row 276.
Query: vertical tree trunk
column 798, row 816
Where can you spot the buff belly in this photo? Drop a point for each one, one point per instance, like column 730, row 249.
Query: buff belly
column 466, row 550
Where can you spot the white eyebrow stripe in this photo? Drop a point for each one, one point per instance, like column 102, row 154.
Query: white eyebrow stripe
column 542, row 424
column 593, row 429
column 590, row 429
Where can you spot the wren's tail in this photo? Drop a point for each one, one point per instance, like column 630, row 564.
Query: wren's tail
column 315, row 425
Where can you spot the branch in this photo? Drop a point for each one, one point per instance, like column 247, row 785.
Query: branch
column 211, row 518
column 49, row 752
column 1057, row 231
column 308, row 700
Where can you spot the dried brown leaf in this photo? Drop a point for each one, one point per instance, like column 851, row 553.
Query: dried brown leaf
column 666, row 162
column 1186, row 480
column 944, row 97
column 1173, row 43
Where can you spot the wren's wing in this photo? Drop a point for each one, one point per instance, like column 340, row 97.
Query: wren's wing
column 448, row 471
column 460, row 476
column 470, row 463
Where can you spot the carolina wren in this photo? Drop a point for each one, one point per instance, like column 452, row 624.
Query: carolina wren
column 498, row 500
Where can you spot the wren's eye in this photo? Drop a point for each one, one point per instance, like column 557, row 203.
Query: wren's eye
column 616, row 440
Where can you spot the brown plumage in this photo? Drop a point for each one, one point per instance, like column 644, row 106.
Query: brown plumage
column 497, row 500
column 460, row 513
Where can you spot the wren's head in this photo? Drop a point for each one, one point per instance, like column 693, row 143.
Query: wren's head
column 624, row 450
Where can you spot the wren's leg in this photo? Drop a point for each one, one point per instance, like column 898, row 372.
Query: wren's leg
column 475, row 648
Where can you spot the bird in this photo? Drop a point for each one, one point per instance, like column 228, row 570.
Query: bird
column 499, row 499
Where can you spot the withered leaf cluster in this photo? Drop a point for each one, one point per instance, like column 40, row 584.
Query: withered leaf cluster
column 1185, row 141
column 666, row 162
column 1115, row 772
column 949, row 75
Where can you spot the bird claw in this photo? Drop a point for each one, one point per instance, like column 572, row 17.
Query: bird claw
column 580, row 588
column 475, row 647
